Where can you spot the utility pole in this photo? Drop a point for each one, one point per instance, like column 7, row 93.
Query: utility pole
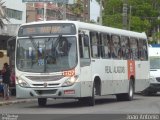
column 130, row 15
column 100, row 18
column 44, row 14
column 124, row 14
column 64, row 10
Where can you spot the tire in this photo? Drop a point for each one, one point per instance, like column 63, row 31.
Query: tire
column 127, row 96
column 42, row 101
column 91, row 100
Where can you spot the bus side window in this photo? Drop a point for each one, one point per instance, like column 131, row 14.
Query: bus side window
column 84, row 50
column 80, row 46
column 125, row 48
column 94, row 44
column 115, row 47
column 105, row 45
column 134, row 48
column 142, row 49
column 84, row 46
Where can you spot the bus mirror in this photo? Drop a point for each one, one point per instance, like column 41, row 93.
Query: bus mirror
column 1, row 54
column 86, row 40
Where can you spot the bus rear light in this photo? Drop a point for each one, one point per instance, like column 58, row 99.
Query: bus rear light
column 69, row 91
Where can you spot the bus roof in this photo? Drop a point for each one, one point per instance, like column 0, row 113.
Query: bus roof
column 95, row 27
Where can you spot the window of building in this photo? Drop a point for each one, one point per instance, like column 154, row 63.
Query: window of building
column 40, row 11
column 14, row 14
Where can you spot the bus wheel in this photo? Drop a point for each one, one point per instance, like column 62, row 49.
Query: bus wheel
column 91, row 100
column 127, row 96
column 42, row 101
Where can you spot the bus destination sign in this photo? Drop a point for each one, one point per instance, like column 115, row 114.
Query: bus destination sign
column 47, row 29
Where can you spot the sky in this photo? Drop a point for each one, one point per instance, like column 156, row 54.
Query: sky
column 94, row 10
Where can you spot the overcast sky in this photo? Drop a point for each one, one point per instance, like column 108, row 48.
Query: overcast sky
column 94, row 10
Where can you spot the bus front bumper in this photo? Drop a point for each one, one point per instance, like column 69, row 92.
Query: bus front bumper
column 56, row 92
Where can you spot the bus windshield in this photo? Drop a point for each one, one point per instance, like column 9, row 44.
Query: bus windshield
column 47, row 54
column 154, row 63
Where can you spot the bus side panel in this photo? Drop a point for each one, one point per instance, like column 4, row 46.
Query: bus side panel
column 86, row 82
column 142, row 75
column 120, row 76
column 113, row 75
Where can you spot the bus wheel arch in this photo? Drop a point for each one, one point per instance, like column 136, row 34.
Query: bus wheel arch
column 97, row 84
column 96, row 90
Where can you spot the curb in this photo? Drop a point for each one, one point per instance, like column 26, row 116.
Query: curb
column 15, row 102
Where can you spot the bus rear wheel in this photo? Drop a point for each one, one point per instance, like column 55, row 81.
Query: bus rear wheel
column 127, row 96
column 42, row 101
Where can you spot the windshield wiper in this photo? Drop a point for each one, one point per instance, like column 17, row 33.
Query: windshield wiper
column 33, row 42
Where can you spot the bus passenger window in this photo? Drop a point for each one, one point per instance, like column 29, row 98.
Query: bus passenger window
column 94, row 44
column 115, row 47
column 105, row 46
column 134, row 48
column 125, row 51
column 142, row 49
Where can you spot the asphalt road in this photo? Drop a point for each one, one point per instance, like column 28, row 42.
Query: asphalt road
column 108, row 105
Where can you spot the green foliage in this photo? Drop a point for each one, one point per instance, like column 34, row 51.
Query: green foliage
column 77, row 8
column 142, row 17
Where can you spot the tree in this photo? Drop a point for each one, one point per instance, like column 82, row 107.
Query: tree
column 78, row 8
column 3, row 15
column 142, row 14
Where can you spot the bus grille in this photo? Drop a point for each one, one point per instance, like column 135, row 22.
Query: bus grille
column 158, row 79
column 48, row 85
column 45, row 78
column 43, row 92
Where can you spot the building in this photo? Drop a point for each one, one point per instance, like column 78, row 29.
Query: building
column 52, row 11
column 16, row 12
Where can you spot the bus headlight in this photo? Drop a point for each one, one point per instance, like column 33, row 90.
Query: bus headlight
column 22, row 83
column 70, row 81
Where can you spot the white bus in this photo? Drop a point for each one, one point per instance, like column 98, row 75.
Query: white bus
column 154, row 56
column 71, row 59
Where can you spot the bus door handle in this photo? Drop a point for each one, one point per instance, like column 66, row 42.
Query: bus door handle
column 139, row 65
column 93, row 60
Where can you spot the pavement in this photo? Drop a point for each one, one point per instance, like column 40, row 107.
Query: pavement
column 13, row 100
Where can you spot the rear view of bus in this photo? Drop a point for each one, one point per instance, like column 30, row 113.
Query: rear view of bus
column 154, row 55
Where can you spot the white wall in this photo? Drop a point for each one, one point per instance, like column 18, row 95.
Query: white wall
column 17, row 5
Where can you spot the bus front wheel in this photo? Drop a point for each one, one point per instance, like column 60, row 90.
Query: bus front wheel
column 91, row 100
column 42, row 101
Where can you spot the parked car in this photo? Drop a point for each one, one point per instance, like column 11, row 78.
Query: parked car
column 154, row 57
